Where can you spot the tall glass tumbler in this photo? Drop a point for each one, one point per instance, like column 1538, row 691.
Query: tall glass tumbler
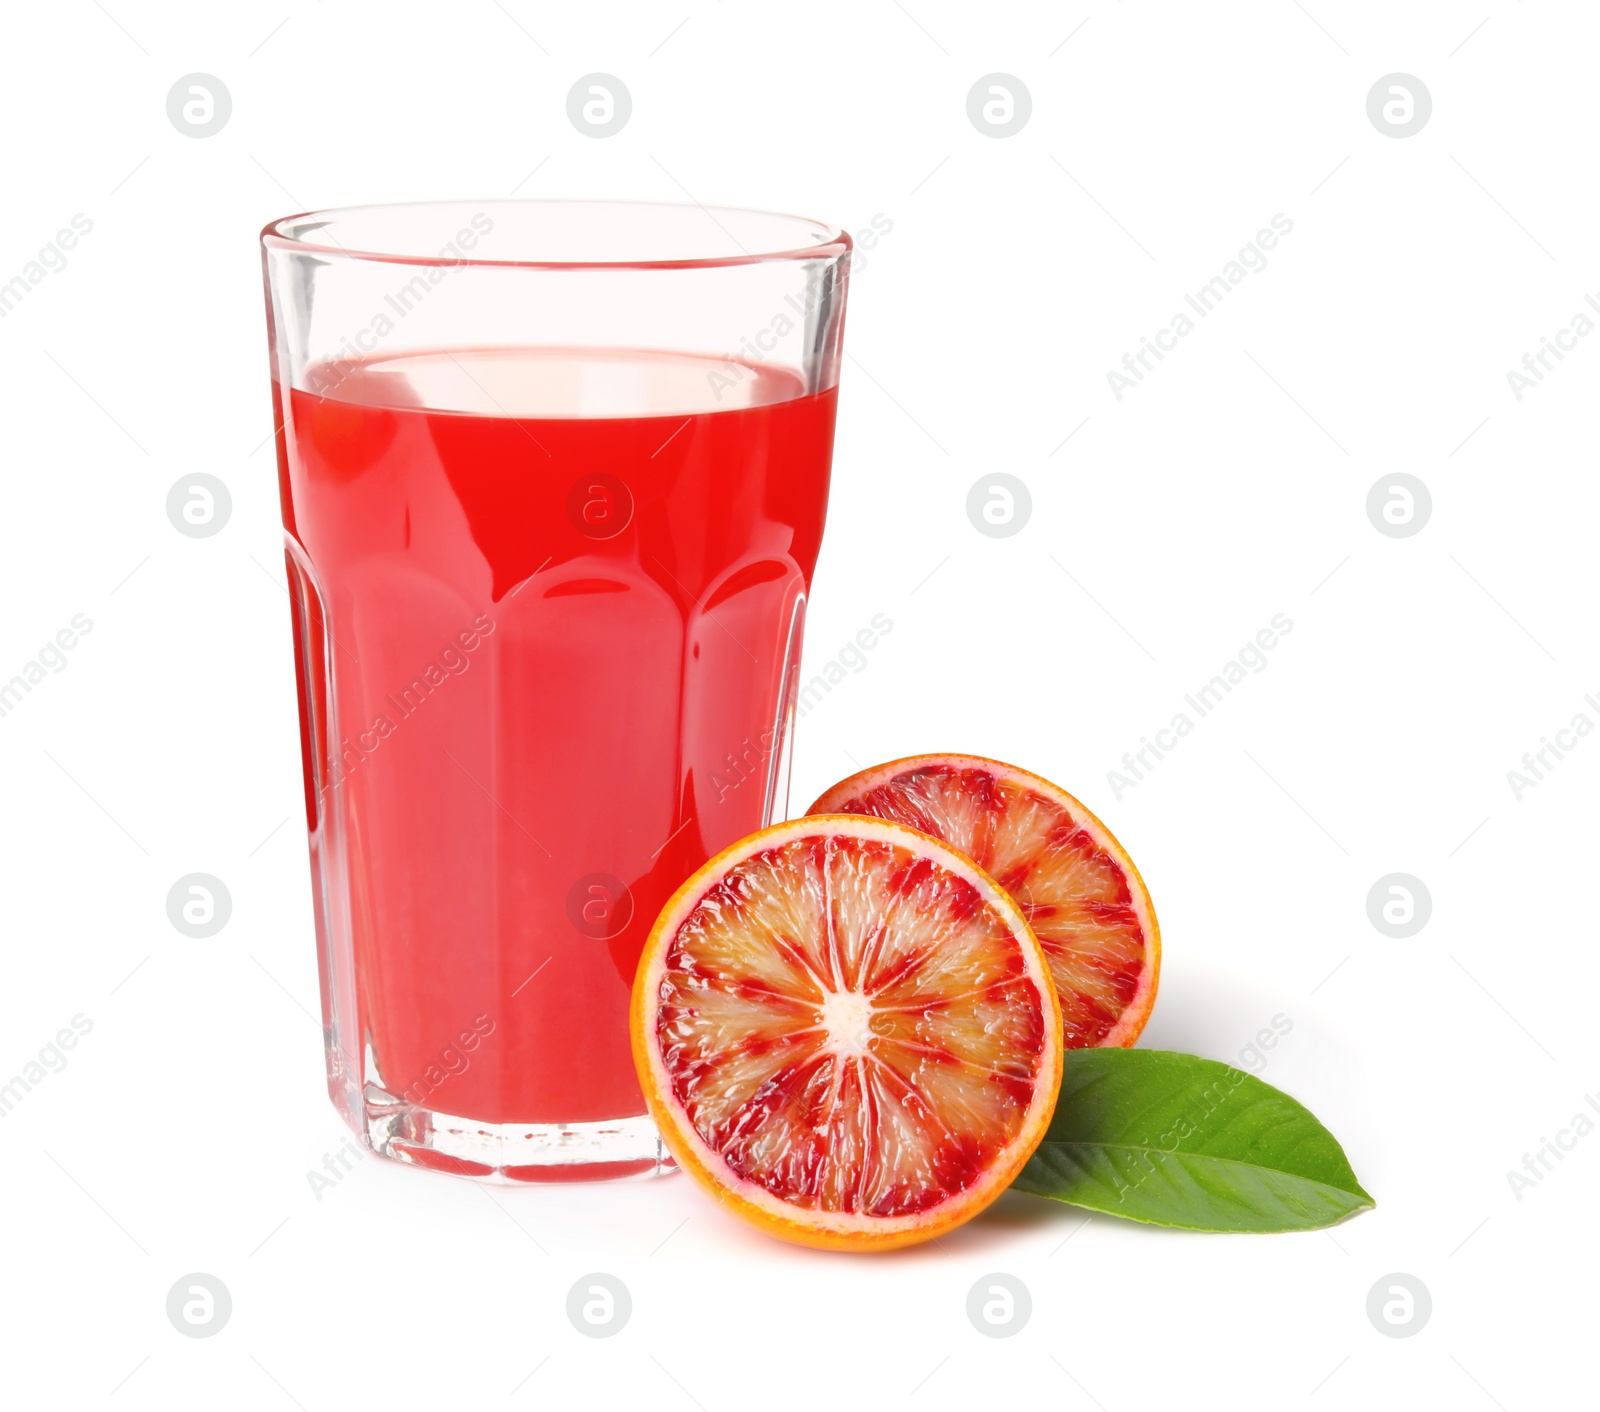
column 554, row 477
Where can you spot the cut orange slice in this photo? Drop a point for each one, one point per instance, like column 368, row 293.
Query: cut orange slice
column 1075, row 884
column 846, row 1031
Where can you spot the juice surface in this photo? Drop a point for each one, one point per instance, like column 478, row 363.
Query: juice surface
column 544, row 653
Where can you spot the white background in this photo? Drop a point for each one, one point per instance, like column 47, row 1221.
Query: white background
column 1229, row 486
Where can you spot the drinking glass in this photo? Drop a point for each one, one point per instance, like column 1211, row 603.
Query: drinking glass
column 553, row 478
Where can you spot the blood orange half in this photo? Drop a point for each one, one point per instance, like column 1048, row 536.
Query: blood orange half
column 1075, row 883
column 847, row 1032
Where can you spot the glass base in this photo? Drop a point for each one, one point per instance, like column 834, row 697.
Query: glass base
column 622, row 1149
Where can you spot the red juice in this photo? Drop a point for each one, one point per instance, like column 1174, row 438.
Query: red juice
column 546, row 656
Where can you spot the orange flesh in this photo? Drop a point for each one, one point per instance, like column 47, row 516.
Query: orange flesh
column 1074, row 893
column 851, row 1027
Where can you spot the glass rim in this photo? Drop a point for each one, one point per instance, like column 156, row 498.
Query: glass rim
column 290, row 233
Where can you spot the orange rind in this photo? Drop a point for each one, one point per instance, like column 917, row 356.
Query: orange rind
column 1074, row 882
column 847, row 1032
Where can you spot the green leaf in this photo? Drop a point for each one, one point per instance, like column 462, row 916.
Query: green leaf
column 1180, row 1141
